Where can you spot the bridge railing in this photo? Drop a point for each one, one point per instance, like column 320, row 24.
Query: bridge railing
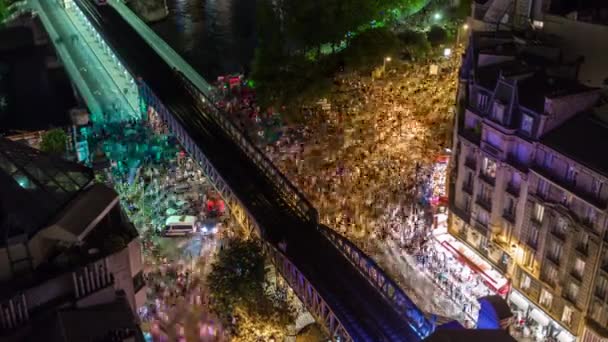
column 313, row 301
column 381, row 281
column 292, row 194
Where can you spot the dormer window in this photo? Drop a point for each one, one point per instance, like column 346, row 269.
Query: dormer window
column 498, row 112
column 526, row 123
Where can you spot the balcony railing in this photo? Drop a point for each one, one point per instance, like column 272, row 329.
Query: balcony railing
column 516, row 163
column 509, row 215
column 491, row 149
column 554, row 259
column 485, row 203
column 467, row 187
column 463, row 214
column 481, row 227
column 571, row 187
column 487, row 178
column 513, row 189
column 532, row 243
column 583, row 249
column 561, row 235
column 471, row 163
column 470, row 135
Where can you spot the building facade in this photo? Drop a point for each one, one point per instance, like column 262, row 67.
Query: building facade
column 521, row 195
column 65, row 246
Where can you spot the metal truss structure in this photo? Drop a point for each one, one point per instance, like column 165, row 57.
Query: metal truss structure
column 305, row 291
column 381, row 281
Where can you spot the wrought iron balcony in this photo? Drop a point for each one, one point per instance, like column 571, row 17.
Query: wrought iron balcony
column 470, row 135
column 467, row 187
column 512, row 189
column 558, row 233
column 481, row 227
column 571, row 187
column 485, row 203
column 509, row 215
column 471, row 163
column 487, row 178
column 516, row 163
column 463, row 214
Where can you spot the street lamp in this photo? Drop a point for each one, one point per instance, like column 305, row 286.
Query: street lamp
column 437, row 16
column 384, row 61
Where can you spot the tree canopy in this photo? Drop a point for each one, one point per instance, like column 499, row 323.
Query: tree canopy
column 239, row 289
column 53, row 141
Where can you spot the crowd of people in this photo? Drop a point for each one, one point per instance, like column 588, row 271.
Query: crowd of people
column 362, row 154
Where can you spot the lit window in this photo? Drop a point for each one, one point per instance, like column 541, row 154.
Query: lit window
column 571, row 174
column 549, row 274
column 537, row 24
column 498, row 111
column 543, row 188
column 489, row 167
column 579, row 267
column 591, row 215
column 526, row 123
column 555, row 253
column 546, row 298
column 539, row 212
column 567, row 315
column 583, row 242
column 601, row 287
column 525, row 282
column 572, row 292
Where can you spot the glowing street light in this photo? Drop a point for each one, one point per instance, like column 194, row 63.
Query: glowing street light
column 437, row 16
column 465, row 27
column 384, row 61
column 447, row 52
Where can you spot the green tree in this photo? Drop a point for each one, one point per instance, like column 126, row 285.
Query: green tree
column 437, row 35
column 368, row 49
column 237, row 282
column 53, row 141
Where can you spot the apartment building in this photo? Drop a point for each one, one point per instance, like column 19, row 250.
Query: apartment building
column 577, row 27
column 527, row 189
column 66, row 252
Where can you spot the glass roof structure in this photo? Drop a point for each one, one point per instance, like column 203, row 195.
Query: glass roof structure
column 34, row 187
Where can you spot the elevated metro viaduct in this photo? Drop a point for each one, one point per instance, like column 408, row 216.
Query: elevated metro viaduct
column 342, row 287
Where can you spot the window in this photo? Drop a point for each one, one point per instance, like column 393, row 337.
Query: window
column 529, row 259
column 525, row 282
column 566, row 199
column 546, row 298
column 590, row 215
column 539, row 212
column 543, row 188
column 510, row 207
column 548, row 162
column 489, row 167
column 498, row 111
column 483, row 217
column 561, row 227
column 482, row 100
column 583, row 242
column 567, row 315
column 596, row 187
column 526, row 124
column 549, row 275
column 533, row 237
column 571, row 175
column 572, row 292
column 555, row 251
column 601, row 287
column 596, row 311
column 579, row 268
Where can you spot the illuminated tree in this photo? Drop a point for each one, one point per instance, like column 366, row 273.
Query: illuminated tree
column 239, row 290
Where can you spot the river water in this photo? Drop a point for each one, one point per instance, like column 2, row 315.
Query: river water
column 215, row 36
